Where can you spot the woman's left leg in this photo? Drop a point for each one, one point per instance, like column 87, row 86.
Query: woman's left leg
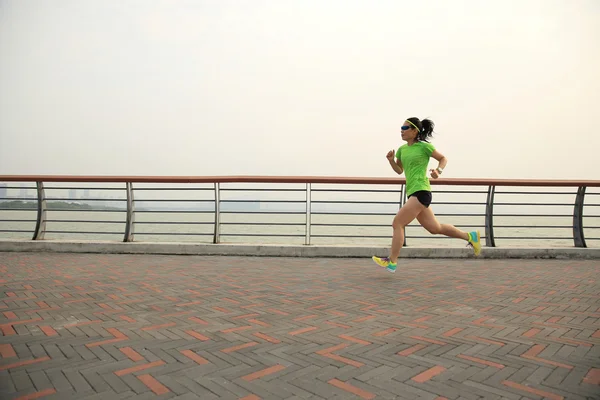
column 428, row 221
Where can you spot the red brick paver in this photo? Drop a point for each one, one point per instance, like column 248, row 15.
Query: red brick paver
column 153, row 384
column 117, row 326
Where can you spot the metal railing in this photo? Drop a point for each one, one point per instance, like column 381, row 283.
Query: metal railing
column 320, row 208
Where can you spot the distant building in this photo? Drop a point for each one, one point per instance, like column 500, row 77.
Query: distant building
column 72, row 194
column 3, row 191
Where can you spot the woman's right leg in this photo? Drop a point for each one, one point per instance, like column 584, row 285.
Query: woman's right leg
column 411, row 209
column 405, row 215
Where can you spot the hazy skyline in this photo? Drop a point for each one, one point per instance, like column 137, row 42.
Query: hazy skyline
column 297, row 87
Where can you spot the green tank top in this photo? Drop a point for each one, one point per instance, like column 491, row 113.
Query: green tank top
column 415, row 160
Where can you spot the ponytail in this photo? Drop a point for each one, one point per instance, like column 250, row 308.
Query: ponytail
column 425, row 128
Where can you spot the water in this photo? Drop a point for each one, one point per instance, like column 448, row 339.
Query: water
column 258, row 228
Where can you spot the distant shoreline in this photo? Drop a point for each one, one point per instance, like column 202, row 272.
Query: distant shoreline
column 54, row 205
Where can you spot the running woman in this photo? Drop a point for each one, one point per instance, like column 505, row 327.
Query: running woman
column 412, row 158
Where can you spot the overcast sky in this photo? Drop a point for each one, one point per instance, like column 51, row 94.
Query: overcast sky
column 298, row 87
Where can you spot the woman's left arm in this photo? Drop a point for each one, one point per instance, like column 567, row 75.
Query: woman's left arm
column 442, row 161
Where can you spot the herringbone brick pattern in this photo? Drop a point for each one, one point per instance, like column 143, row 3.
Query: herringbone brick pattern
column 145, row 327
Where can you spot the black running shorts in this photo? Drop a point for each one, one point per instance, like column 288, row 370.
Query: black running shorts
column 423, row 196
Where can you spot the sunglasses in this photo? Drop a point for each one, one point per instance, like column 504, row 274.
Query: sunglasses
column 405, row 127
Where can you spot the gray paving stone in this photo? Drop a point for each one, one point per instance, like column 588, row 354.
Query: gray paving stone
column 21, row 381
column 40, row 380
column 77, row 381
column 116, row 384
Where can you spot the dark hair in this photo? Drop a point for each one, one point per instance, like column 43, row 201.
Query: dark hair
column 425, row 128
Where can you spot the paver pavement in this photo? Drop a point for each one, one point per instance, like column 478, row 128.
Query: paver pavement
column 186, row 327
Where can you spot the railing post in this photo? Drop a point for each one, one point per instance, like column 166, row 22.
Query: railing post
column 308, row 214
column 490, row 241
column 42, row 208
column 578, row 236
column 130, row 220
column 402, row 202
column 217, row 234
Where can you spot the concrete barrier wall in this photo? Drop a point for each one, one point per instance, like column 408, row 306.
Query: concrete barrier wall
column 106, row 247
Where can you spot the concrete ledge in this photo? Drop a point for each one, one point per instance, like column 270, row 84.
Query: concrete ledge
column 276, row 250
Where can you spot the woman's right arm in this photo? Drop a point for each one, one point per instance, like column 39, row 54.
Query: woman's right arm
column 396, row 165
